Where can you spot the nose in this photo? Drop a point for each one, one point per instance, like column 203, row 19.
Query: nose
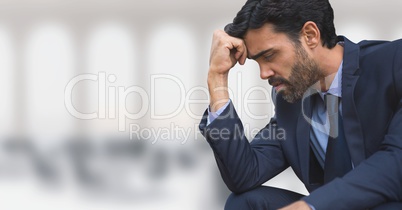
column 266, row 72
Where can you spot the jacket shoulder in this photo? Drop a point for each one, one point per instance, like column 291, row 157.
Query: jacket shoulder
column 369, row 47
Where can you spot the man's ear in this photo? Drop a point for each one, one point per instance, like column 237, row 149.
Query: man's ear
column 310, row 34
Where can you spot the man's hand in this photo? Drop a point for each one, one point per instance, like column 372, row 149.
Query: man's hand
column 299, row 205
column 226, row 51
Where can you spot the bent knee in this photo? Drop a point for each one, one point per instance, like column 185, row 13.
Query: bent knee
column 246, row 201
column 261, row 198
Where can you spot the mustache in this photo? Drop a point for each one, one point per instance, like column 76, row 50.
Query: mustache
column 274, row 81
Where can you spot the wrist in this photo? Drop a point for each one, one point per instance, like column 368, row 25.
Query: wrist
column 216, row 74
column 218, row 89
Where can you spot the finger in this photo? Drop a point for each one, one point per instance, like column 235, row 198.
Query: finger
column 238, row 55
column 241, row 49
column 243, row 58
column 238, row 44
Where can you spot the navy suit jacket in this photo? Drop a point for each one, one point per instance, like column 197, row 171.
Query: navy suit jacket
column 372, row 116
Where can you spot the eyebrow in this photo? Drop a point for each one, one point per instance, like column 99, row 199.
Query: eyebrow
column 255, row 57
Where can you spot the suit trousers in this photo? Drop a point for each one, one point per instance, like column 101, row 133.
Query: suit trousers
column 270, row 198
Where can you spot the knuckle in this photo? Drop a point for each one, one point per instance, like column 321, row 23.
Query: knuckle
column 217, row 33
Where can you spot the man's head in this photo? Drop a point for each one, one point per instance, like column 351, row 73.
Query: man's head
column 286, row 37
column 287, row 16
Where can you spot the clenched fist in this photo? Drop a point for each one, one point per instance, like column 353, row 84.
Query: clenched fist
column 226, row 51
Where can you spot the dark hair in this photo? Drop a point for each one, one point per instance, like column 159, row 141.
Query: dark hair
column 287, row 16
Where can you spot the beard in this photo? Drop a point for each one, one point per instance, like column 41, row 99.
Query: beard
column 304, row 73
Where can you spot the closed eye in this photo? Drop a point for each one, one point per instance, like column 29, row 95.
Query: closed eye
column 268, row 57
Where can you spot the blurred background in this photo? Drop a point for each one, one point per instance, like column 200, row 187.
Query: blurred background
column 101, row 100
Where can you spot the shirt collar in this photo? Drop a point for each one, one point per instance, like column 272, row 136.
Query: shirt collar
column 336, row 86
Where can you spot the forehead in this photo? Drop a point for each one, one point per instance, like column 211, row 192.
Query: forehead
column 264, row 38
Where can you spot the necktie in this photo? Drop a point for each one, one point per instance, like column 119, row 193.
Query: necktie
column 337, row 157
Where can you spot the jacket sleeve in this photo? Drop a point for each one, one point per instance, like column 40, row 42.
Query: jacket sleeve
column 243, row 165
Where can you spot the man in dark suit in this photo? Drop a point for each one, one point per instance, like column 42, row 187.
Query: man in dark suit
column 338, row 103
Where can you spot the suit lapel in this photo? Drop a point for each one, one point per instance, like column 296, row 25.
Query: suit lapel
column 352, row 126
column 292, row 118
column 303, row 134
